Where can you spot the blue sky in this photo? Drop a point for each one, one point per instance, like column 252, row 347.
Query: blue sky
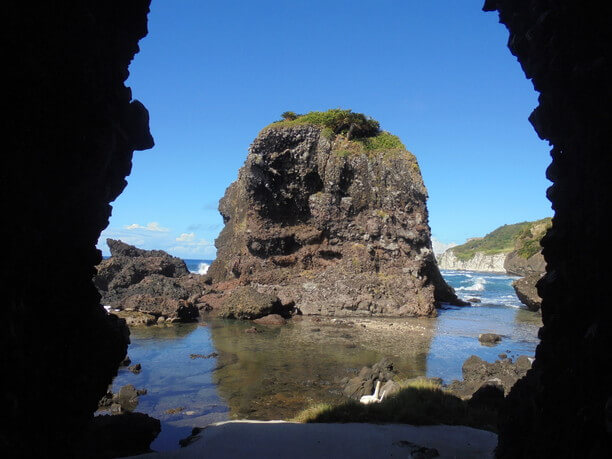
column 437, row 74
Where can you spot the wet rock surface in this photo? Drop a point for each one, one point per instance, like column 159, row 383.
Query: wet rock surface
column 147, row 285
column 329, row 232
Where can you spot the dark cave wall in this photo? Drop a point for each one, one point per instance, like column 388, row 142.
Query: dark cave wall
column 559, row 409
column 72, row 127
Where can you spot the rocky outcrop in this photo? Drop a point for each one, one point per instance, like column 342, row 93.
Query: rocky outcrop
column 527, row 291
column 479, row 262
column 150, row 282
column 478, row 373
column 71, row 129
column 365, row 382
column 330, row 228
column 562, row 407
column 520, row 266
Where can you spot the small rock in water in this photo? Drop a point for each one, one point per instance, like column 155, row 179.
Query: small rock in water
column 474, row 300
column 174, row 410
column 203, row 356
column 503, row 356
column 252, row 330
column 271, row 319
column 489, row 339
column 135, row 368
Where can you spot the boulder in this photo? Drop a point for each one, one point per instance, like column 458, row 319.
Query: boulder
column 246, row 303
column 271, row 319
column 477, row 372
column 365, row 382
column 527, row 291
column 136, row 318
column 151, row 282
column 489, row 339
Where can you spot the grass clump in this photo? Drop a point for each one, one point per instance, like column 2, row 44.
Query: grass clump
column 524, row 237
column 337, row 120
column 417, row 403
column 383, row 141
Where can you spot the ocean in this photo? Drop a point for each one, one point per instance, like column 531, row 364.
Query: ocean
column 276, row 373
column 197, row 266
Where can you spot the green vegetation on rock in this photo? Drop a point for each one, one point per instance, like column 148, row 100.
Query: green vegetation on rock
column 346, row 122
column 356, row 133
column 523, row 237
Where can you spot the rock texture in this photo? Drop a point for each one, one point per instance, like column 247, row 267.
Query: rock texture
column 71, row 128
column 330, row 231
column 478, row 373
column 561, row 408
column 519, row 266
column 148, row 284
column 479, row 262
column 527, row 291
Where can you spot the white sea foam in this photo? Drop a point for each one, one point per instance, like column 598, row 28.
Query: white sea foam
column 477, row 286
column 203, row 268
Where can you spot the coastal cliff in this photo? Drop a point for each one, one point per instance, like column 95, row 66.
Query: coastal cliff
column 329, row 214
column 479, row 262
column 513, row 249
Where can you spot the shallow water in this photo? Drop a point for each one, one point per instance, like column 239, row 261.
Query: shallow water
column 276, row 373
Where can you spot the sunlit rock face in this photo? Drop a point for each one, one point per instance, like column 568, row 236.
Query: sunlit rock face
column 332, row 231
column 563, row 407
column 72, row 127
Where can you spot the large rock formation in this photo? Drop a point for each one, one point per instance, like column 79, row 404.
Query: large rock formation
column 149, row 281
column 331, row 226
column 563, row 407
column 71, row 129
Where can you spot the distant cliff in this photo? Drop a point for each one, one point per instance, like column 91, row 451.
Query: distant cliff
column 329, row 214
column 479, row 262
column 514, row 249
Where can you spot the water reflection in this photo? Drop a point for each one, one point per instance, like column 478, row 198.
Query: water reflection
column 277, row 372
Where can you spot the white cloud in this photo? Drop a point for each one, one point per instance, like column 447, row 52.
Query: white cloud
column 441, row 247
column 186, row 237
column 152, row 226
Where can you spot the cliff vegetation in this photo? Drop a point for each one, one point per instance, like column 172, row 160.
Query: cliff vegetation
column 523, row 237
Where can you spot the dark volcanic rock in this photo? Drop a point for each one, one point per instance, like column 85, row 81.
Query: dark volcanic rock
column 365, row 382
column 477, row 373
column 333, row 233
column 119, row 435
column 558, row 410
column 72, row 127
column 527, row 292
column 149, row 282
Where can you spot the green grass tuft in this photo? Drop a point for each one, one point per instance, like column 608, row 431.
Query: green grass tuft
column 421, row 403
